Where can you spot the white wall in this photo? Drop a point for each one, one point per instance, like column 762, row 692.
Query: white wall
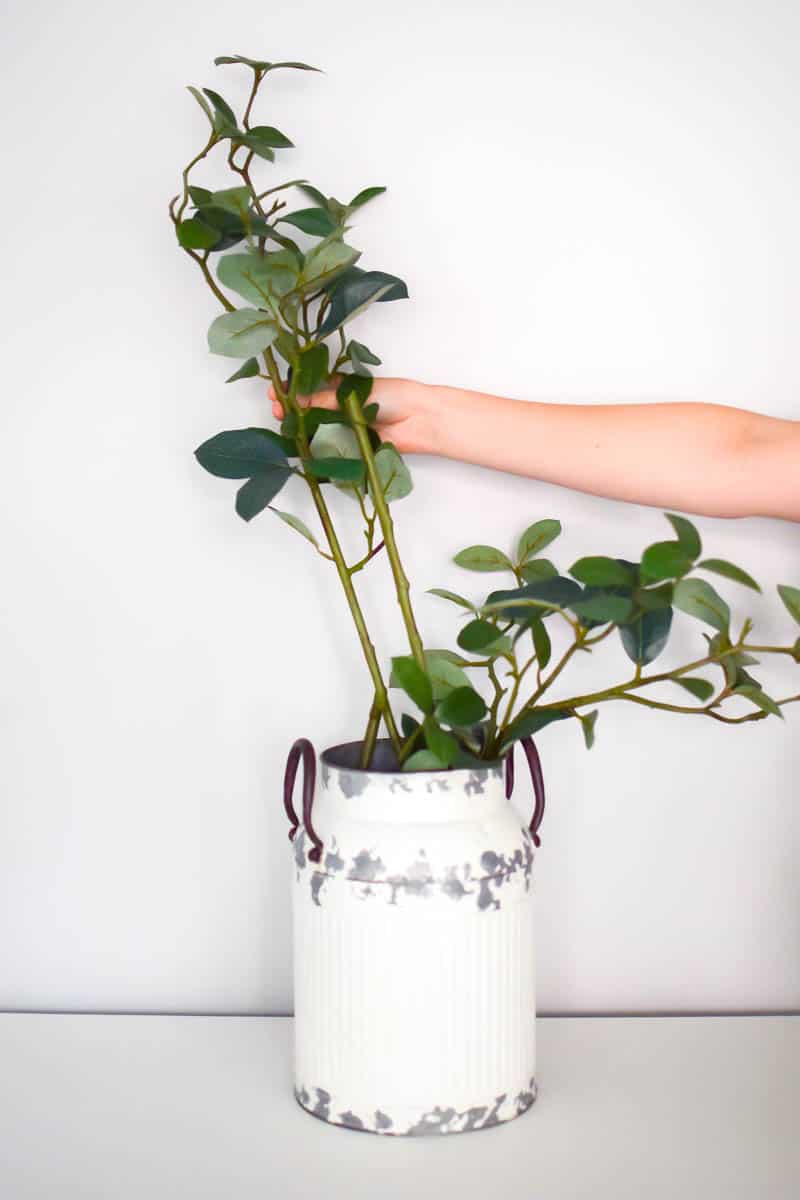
column 588, row 202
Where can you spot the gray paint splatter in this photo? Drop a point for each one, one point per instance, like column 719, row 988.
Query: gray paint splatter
column 299, row 852
column 333, row 860
column 353, row 785
column 365, row 867
column 438, row 1120
column 318, row 878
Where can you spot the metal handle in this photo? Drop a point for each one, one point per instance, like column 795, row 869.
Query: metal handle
column 302, row 748
column 537, row 779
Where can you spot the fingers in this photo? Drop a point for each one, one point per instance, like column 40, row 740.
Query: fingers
column 323, row 399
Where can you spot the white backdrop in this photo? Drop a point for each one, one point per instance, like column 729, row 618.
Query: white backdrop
column 589, row 202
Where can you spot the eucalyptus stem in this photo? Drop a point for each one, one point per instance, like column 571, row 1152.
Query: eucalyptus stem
column 381, row 697
column 354, row 410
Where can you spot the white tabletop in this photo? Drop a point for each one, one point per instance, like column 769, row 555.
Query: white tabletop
column 145, row 1107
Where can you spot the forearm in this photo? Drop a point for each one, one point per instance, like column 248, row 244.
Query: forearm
column 699, row 458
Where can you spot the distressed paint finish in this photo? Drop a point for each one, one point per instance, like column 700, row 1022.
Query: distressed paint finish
column 413, row 952
column 437, row 1120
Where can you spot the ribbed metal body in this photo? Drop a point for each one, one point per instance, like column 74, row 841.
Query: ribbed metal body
column 414, row 952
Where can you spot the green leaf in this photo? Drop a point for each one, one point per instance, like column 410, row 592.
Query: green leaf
column 266, row 135
column 477, row 635
column 229, row 225
column 367, row 194
column 353, row 290
column 314, row 194
column 588, row 722
column 339, row 470
column 791, row 598
column 200, row 196
column 483, row 558
column 241, row 333
column 444, row 674
column 536, row 569
column 602, row 572
column 529, row 723
column 259, row 277
column 316, row 221
column 240, row 453
column 453, row 597
column 541, row 642
column 698, row 599
column 361, row 357
column 701, row 689
column 665, row 560
column 758, row 697
column 423, row 760
column 326, row 261
column 206, row 107
column 247, row 370
column 224, row 116
column 536, row 537
column 729, row 570
column 604, row 607
column 414, row 682
column 654, row 597
column 312, row 369
column 440, row 743
column 393, row 473
column 534, row 599
column 295, row 523
column 461, row 707
column 331, row 441
column 194, row 234
column 644, row 638
column 408, row 725
column 255, row 495
column 688, row 536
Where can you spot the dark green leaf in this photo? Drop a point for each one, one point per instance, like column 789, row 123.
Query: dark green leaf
column 267, row 135
column 665, row 560
column 194, row 234
column 312, row 369
column 206, row 107
column 791, row 598
column 477, row 635
column 314, row 417
column 698, row 599
column 536, row 537
column 602, row 572
column 353, row 290
column 541, row 642
column 240, row 453
column 536, row 569
column 701, row 689
column 644, row 638
column 655, row 597
column 756, row 696
column 286, row 445
column 529, row 723
column 361, row 357
column 604, row 607
column 588, row 723
column 688, row 536
column 414, row 682
column 367, row 194
column 200, row 196
column 246, row 371
column 225, row 117
column 729, row 570
column 408, row 725
column 483, row 558
column 316, row 221
column 242, row 333
column 440, row 743
column 314, row 194
column 461, row 707
column 343, row 470
column 358, row 385
column 255, row 495
column 535, row 599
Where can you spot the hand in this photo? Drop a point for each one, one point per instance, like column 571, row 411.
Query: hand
column 406, row 415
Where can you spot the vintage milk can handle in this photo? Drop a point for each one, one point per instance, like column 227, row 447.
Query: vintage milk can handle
column 302, row 748
column 537, row 779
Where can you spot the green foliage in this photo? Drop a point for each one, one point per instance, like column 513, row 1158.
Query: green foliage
column 298, row 302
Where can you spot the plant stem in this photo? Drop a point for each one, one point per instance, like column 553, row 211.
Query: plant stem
column 381, row 697
column 352, row 406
